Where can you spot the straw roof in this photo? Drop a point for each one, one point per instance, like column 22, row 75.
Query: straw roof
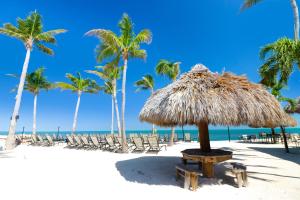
column 203, row 96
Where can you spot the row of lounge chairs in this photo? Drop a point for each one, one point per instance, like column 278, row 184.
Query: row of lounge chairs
column 268, row 138
column 164, row 138
column 47, row 140
column 114, row 143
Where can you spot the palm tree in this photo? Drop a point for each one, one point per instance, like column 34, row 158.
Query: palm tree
column 30, row 32
column 279, row 59
column 281, row 62
column 35, row 82
column 250, row 3
column 171, row 70
column 110, row 73
column 126, row 45
column 78, row 85
column 146, row 83
column 293, row 106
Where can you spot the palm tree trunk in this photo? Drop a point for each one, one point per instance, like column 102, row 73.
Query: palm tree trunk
column 153, row 126
column 286, row 146
column 10, row 140
column 273, row 135
column 171, row 142
column 34, row 114
column 296, row 19
column 117, row 106
column 124, row 146
column 76, row 113
column 112, row 115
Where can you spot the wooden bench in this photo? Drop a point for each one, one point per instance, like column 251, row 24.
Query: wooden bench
column 240, row 171
column 190, row 176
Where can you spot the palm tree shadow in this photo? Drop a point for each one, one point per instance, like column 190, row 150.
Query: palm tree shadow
column 293, row 156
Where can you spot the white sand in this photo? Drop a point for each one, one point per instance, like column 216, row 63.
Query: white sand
column 58, row 173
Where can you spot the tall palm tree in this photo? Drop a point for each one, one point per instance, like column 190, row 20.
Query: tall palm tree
column 110, row 74
column 78, row 85
column 35, row 82
column 146, row 83
column 250, row 3
column 171, row 70
column 127, row 44
column 30, row 32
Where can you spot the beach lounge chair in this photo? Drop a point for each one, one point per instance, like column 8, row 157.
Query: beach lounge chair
column 154, row 144
column 244, row 138
column 96, row 143
column 110, row 145
column 187, row 137
column 42, row 142
column 295, row 138
column 263, row 136
column 78, row 141
column 85, row 142
column 138, row 143
column 34, row 140
column 120, row 143
column 50, row 140
column 166, row 138
column 70, row 141
column 175, row 137
column 145, row 140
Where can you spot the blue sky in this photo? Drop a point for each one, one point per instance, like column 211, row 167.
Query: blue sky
column 212, row 32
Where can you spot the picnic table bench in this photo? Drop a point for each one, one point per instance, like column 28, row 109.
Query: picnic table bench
column 239, row 170
column 189, row 175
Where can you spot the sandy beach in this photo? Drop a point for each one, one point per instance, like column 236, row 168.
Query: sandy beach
column 58, row 173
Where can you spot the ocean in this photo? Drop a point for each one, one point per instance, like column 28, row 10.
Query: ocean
column 215, row 134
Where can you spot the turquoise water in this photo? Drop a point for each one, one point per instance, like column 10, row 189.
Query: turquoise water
column 215, row 134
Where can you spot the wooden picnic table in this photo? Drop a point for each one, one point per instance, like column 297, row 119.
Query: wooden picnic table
column 207, row 159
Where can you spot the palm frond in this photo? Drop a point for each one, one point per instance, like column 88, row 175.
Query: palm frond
column 249, row 3
column 36, row 81
column 105, row 51
column 145, row 36
column 167, row 68
column 65, row 86
column 126, row 28
column 145, row 83
column 100, row 74
column 138, row 53
column 12, row 33
column 106, row 36
column 45, row 49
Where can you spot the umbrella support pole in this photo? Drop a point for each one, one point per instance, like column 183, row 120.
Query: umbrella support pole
column 204, row 137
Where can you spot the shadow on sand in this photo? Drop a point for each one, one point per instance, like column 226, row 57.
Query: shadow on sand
column 160, row 170
column 293, row 156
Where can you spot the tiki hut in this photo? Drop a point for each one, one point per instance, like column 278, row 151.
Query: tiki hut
column 200, row 97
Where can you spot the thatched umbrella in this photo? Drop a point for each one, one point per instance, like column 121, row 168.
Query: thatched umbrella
column 201, row 97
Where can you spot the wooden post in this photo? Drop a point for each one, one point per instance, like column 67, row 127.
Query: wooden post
column 208, row 169
column 204, row 137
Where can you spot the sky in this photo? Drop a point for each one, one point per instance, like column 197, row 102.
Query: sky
column 212, row 32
